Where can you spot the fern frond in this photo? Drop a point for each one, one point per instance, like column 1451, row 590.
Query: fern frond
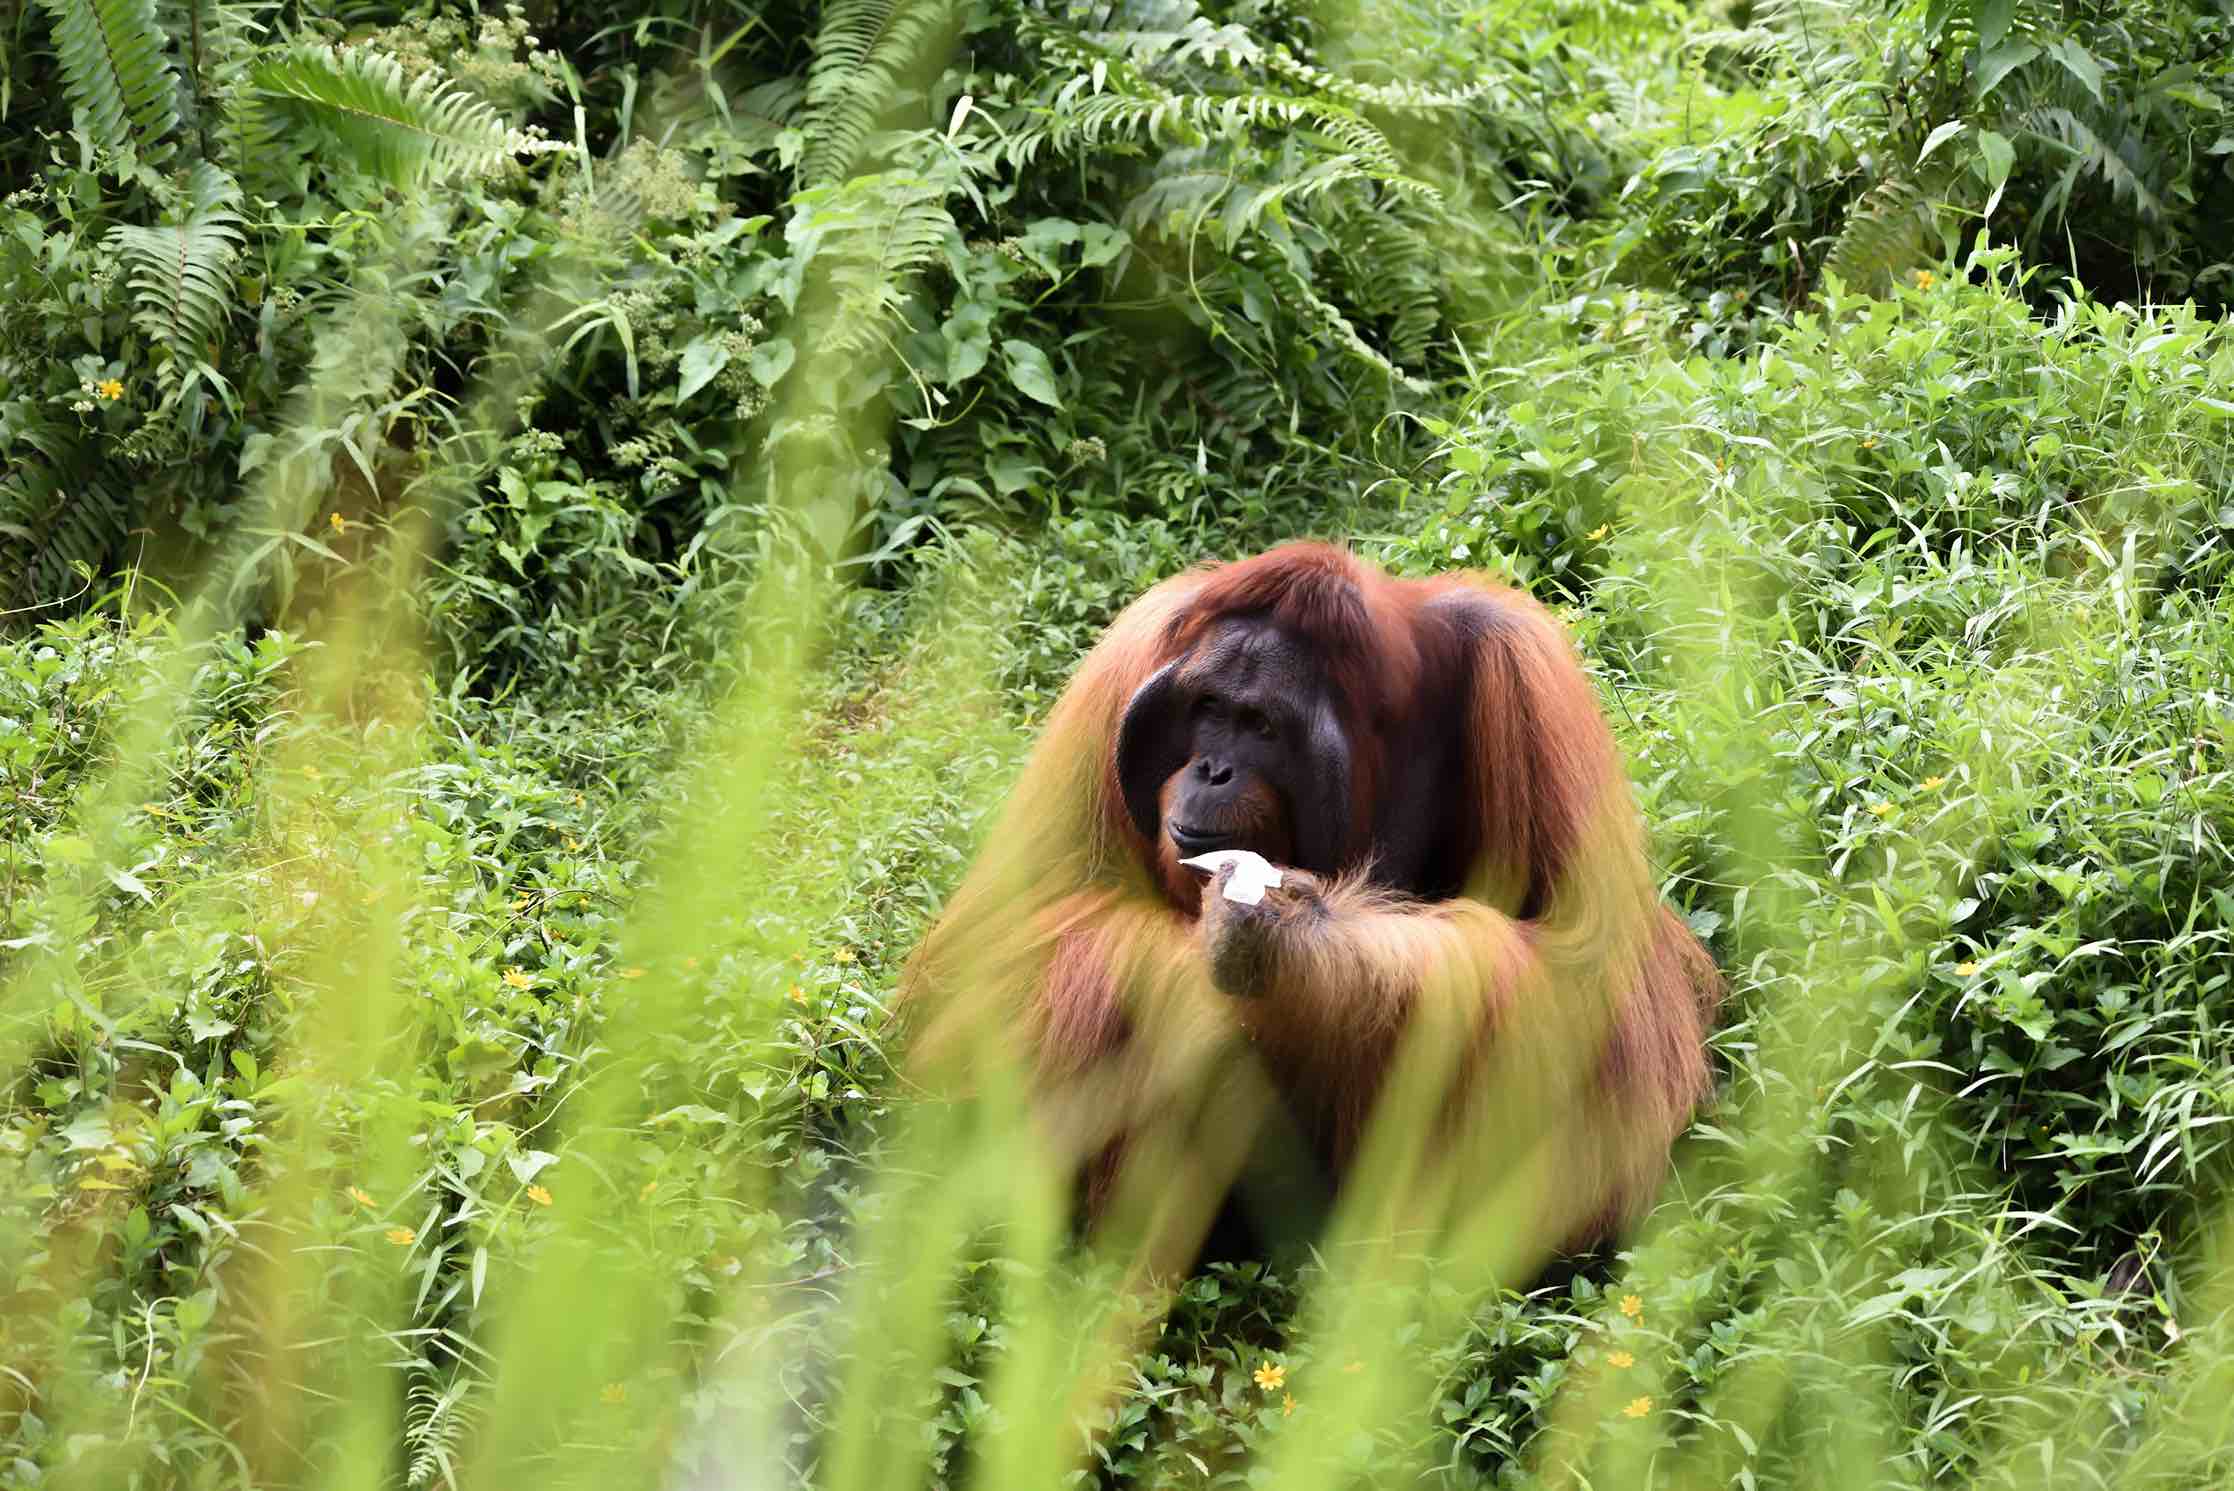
column 1165, row 118
column 436, row 1419
column 1393, row 270
column 181, row 292
column 402, row 131
column 867, row 237
column 232, row 39
column 1394, row 98
column 2091, row 153
column 60, row 511
column 861, row 54
column 1316, row 308
column 1883, row 235
column 120, row 84
column 1224, row 47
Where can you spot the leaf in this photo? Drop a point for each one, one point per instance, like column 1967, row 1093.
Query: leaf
column 1999, row 62
column 968, row 334
column 691, row 1113
column 1994, row 17
column 704, row 357
column 125, row 880
column 1939, row 137
column 400, row 130
column 769, row 361
column 195, row 1310
column 528, row 1163
column 1029, row 371
column 1101, row 243
column 1996, row 156
column 2081, row 64
column 121, row 89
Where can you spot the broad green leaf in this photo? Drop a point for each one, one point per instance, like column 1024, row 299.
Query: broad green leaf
column 1996, row 63
column 2081, row 64
column 1939, row 137
column 769, row 361
column 1028, row 370
column 1994, row 17
column 701, row 360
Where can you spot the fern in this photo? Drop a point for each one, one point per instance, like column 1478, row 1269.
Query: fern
column 437, row 1417
column 180, row 291
column 862, row 54
column 867, row 237
column 1393, row 270
column 1328, row 317
column 1392, row 98
column 120, row 85
column 401, row 131
column 62, row 515
column 1884, row 234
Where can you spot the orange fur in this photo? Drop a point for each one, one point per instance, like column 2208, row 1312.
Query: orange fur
column 1557, row 1006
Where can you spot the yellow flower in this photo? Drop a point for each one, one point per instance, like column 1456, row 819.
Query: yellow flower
column 402, row 1237
column 1965, row 970
column 1638, row 1407
column 691, row 963
column 519, row 902
column 1924, row 279
column 632, row 973
column 843, row 955
column 1932, row 784
column 1270, row 1376
column 1355, row 1367
column 1287, row 1404
column 1632, row 1307
column 646, row 1193
column 1881, row 810
column 538, row 1195
column 614, row 1393
column 573, row 845
column 1620, row 1359
column 519, row 980
column 361, row 1197
column 1597, row 533
column 109, row 388
column 798, row 995
column 333, row 521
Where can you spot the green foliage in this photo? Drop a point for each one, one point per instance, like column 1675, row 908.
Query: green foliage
column 397, row 129
column 115, row 70
column 179, row 276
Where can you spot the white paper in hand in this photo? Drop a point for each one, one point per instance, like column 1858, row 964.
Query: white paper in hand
column 1252, row 875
